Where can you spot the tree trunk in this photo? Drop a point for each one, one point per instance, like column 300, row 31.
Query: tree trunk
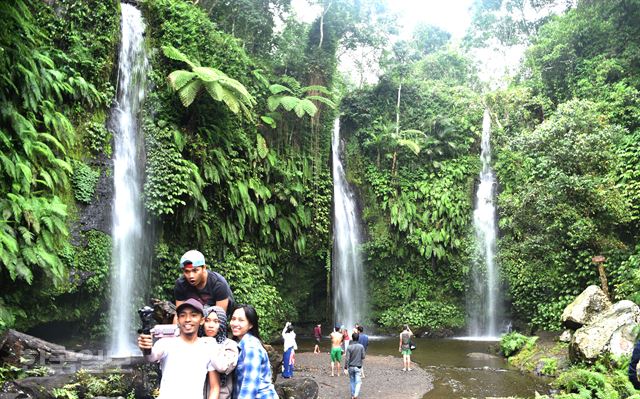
column 393, row 163
column 322, row 25
column 394, row 166
column 398, row 110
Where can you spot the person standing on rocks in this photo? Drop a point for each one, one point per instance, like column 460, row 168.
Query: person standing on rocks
column 290, row 346
column 317, row 333
column 405, row 347
column 353, row 365
column 336, row 350
column 207, row 287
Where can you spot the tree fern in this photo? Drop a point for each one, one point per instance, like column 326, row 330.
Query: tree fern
column 219, row 86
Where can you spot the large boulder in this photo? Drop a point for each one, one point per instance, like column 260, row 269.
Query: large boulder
column 40, row 387
column 587, row 306
column 275, row 359
column 609, row 332
column 303, row 388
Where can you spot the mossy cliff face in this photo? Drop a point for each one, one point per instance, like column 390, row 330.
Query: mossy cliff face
column 67, row 51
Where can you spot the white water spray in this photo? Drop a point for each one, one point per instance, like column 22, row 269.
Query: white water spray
column 349, row 300
column 484, row 304
column 126, row 273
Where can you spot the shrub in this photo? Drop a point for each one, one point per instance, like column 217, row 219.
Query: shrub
column 419, row 313
column 513, row 342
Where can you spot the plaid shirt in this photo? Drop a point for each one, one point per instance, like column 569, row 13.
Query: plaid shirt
column 253, row 373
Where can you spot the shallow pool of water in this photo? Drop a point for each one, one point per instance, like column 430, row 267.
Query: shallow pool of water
column 457, row 375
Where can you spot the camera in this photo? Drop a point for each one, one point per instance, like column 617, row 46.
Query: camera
column 151, row 327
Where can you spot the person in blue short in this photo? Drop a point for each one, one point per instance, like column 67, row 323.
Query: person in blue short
column 253, row 372
column 290, row 347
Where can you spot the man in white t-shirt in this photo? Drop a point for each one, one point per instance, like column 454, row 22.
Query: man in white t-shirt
column 185, row 359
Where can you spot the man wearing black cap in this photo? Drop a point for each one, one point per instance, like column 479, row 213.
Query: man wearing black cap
column 207, row 287
column 185, row 359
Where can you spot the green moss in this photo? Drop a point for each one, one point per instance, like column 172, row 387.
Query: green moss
column 84, row 181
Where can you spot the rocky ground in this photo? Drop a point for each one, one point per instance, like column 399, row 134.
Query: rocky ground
column 384, row 378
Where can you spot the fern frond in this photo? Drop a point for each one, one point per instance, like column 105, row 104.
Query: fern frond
column 215, row 90
column 276, row 89
column 8, row 166
column 305, row 106
column 257, row 73
column 208, row 74
column 178, row 79
column 189, row 92
column 230, row 100
column 289, row 102
column 318, row 88
column 410, row 144
column 273, row 102
column 177, row 55
column 323, row 100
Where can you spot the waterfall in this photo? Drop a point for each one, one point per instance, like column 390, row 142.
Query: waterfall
column 484, row 303
column 349, row 300
column 126, row 275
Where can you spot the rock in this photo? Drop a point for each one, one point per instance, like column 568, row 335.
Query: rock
column 41, row 387
column 565, row 336
column 585, row 308
column 13, row 395
column 607, row 333
column 304, row 388
column 163, row 311
column 482, row 356
column 623, row 340
column 97, row 214
column 275, row 359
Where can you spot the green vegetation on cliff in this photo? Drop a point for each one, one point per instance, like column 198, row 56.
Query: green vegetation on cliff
column 244, row 176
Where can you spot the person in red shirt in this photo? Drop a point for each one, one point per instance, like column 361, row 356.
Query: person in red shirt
column 317, row 333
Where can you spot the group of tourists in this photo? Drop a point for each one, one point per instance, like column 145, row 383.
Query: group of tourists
column 354, row 355
column 202, row 362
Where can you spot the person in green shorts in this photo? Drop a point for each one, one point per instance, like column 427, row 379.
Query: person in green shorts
column 336, row 350
column 405, row 347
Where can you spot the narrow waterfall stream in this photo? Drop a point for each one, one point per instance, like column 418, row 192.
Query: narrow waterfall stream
column 349, row 302
column 484, row 303
column 126, row 276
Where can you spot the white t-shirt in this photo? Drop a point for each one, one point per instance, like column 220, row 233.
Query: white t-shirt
column 184, row 367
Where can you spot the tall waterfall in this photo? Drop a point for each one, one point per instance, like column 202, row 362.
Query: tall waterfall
column 126, row 280
column 349, row 300
column 484, row 303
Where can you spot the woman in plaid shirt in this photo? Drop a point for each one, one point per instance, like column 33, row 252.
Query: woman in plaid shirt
column 253, row 372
